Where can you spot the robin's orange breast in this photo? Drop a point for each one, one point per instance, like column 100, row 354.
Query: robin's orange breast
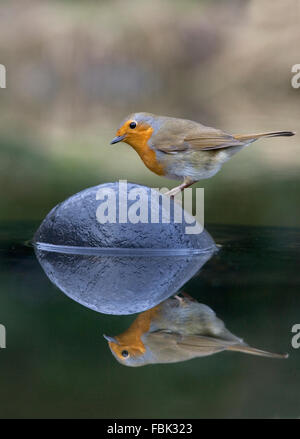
column 131, row 338
column 147, row 154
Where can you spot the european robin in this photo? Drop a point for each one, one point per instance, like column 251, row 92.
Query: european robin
column 178, row 329
column 181, row 149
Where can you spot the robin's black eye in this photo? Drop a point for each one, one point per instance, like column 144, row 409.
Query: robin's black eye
column 132, row 125
column 125, row 354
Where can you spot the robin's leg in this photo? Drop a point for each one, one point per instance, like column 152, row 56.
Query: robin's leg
column 186, row 183
column 188, row 296
column 180, row 300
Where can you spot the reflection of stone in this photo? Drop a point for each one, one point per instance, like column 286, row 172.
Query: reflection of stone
column 119, row 285
column 177, row 330
column 157, row 258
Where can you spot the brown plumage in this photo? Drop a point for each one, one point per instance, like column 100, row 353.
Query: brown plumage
column 178, row 329
column 182, row 149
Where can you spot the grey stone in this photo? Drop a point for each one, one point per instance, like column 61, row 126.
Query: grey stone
column 115, row 283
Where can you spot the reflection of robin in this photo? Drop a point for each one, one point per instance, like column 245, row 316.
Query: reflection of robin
column 176, row 330
column 181, row 149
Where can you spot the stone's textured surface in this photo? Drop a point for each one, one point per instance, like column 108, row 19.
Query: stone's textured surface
column 74, row 222
column 114, row 284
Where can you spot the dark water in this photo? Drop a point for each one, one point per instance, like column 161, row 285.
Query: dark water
column 57, row 364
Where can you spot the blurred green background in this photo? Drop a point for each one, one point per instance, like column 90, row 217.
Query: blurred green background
column 76, row 68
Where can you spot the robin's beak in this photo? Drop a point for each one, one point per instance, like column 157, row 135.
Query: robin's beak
column 111, row 339
column 117, row 139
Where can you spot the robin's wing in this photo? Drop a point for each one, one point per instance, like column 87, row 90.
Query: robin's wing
column 170, row 344
column 170, row 347
column 210, row 138
column 164, row 348
column 209, row 345
column 192, row 137
column 202, row 345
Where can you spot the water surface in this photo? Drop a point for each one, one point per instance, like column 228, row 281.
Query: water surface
column 57, row 364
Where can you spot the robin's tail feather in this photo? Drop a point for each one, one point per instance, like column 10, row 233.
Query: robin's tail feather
column 245, row 137
column 253, row 351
